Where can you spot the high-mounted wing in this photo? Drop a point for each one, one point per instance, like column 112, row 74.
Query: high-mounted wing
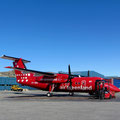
column 19, row 65
column 37, row 73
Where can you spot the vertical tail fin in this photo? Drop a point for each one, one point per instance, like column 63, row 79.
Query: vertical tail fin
column 17, row 63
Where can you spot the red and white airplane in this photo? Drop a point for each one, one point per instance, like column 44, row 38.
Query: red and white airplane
column 56, row 82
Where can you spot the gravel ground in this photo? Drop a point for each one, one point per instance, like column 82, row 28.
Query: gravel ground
column 34, row 105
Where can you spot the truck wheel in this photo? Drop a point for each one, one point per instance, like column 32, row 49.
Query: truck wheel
column 21, row 90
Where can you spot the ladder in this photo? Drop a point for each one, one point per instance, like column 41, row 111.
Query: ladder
column 100, row 89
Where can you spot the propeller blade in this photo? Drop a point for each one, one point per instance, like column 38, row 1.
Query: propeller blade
column 69, row 70
column 69, row 76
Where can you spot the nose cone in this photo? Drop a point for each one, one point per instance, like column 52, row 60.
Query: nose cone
column 112, row 87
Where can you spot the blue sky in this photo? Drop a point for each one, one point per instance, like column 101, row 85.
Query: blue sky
column 55, row 33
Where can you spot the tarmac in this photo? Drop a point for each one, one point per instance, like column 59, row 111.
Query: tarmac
column 35, row 105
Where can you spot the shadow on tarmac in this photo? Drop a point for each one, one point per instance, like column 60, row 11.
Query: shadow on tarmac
column 57, row 97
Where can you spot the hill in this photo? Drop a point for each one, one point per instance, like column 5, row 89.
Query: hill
column 7, row 74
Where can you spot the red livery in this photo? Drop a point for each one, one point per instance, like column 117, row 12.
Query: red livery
column 57, row 82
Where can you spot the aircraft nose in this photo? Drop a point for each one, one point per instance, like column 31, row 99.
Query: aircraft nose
column 112, row 87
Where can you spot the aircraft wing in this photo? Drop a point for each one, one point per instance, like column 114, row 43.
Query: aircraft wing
column 37, row 73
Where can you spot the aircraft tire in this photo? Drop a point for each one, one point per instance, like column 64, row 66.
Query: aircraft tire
column 71, row 93
column 49, row 94
column 91, row 93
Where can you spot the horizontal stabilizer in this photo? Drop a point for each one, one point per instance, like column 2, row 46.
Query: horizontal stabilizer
column 13, row 58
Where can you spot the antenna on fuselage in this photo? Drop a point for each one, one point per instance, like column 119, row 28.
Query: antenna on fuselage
column 88, row 73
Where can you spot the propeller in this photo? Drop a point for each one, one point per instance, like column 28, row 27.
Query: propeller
column 69, row 77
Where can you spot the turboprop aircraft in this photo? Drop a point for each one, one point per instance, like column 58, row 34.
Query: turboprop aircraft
column 59, row 82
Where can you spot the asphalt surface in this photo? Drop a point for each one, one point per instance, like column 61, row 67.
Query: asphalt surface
column 35, row 105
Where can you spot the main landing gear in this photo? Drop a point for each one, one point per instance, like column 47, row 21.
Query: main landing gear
column 71, row 93
column 51, row 88
column 49, row 94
